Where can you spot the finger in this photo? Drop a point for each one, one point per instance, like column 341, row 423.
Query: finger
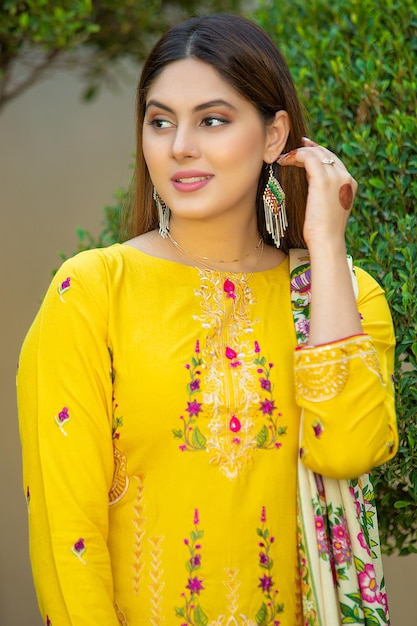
column 306, row 156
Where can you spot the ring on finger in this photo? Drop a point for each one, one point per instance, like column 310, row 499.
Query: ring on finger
column 328, row 161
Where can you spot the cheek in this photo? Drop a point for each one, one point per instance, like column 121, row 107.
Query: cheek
column 245, row 148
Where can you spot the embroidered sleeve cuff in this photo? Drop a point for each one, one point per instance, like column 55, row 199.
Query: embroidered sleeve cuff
column 321, row 372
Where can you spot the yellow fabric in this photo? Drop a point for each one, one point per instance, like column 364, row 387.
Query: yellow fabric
column 173, row 390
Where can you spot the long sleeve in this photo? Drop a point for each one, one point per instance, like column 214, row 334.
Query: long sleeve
column 346, row 392
column 65, row 399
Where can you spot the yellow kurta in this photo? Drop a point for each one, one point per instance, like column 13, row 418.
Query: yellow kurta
column 160, row 436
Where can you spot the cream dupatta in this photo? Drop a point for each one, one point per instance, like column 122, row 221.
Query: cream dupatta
column 340, row 565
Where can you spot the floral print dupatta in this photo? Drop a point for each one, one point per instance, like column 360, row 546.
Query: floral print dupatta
column 341, row 577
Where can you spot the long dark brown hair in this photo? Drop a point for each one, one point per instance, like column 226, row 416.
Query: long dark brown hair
column 246, row 58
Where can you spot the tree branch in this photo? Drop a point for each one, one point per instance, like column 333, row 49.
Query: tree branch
column 31, row 79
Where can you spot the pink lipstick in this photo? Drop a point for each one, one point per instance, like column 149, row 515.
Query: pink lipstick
column 190, row 180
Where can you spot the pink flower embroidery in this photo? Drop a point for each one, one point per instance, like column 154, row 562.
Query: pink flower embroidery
column 230, row 353
column 195, row 585
column 383, row 600
column 61, row 419
column 63, row 287
column 191, row 436
column 368, row 584
column 265, row 583
column 229, row 288
column 267, row 406
column 341, row 543
column 265, row 384
column 193, row 408
column 191, row 610
column 269, row 608
column 79, row 549
column 318, row 428
column 362, row 541
column 235, row 424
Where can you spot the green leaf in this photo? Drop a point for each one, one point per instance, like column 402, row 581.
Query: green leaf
column 370, row 617
column 200, row 617
column 262, row 615
column 401, row 504
column 262, row 436
column 198, row 439
column 359, row 564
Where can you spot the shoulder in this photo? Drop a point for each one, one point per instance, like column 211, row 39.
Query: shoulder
column 94, row 260
column 85, row 279
column 367, row 285
column 99, row 266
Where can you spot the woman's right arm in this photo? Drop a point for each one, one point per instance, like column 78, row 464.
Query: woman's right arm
column 64, row 400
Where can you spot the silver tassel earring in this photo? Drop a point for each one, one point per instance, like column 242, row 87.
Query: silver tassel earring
column 274, row 204
column 163, row 214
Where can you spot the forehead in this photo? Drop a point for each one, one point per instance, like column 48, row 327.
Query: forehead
column 191, row 81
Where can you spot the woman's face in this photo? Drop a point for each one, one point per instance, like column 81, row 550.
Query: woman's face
column 203, row 143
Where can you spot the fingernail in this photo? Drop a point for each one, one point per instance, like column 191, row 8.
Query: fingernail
column 310, row 141
column 286, row 155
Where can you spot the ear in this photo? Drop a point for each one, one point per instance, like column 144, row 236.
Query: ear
column 276, row 136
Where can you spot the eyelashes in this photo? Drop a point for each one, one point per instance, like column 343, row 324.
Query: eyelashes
column 209, row 121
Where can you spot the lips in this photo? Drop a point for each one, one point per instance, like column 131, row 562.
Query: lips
column 190, row 180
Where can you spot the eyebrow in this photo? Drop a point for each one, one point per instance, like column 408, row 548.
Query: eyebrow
column 196, row 109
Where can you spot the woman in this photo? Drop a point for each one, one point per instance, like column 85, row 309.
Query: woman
column 159, row 401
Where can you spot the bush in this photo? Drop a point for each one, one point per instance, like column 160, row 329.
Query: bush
column 353, row 64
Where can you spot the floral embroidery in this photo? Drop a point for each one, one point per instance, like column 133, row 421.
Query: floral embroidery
column 28, row 498
column 61, row 419
column 368, row 583
column 229, row 287
column 342, row 549
column 322, row 371
column 268, row 436
column 227, row 398
column 269, row 609
column 192, row 611
column 79, row 550
column 364, row 501
column 120, row 482
column 318, row 428
column 48, row 621
column 307, row 589
column 301, row 298
column 370, row 593
column 331, row 526
column 117, row 422
column 63, row 287
column 190, row 434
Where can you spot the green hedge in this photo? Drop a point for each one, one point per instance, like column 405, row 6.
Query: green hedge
column 353, row 65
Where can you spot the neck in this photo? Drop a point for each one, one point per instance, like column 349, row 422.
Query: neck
column 233, row 246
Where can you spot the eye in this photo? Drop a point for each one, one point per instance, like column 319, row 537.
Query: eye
column 213, row 120
column 160, row 123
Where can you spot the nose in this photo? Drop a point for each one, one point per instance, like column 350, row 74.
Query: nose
column 185, row 144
